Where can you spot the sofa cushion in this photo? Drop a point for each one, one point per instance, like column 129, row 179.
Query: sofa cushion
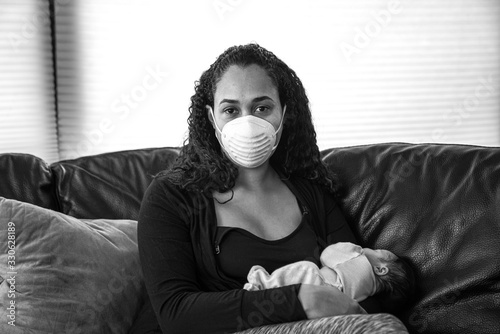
column 439, row 207
column 68, row 275
column 26, row 178
column 380, row 323
column 109, row 185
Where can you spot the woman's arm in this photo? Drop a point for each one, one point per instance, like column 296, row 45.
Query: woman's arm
column 324, row 301
column 172, row 279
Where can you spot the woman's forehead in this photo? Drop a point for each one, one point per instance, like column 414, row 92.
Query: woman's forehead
column 245, row 83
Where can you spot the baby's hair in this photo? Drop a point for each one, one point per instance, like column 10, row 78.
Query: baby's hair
column 397, row 286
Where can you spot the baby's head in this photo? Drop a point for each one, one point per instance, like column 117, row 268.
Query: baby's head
column 395, row 278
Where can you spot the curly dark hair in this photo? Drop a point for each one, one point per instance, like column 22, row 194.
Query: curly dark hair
column 202, row 166
column 397, row 286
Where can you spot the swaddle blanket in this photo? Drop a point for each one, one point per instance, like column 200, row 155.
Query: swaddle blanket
column 344, row 266
column 353, row 270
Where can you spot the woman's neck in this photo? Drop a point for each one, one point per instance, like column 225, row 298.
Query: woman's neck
column 251, row 182
column 256, row 179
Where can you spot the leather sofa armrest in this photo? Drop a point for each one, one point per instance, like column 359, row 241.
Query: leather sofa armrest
column 353, row 324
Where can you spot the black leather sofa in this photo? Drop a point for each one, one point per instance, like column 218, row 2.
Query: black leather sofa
column 436, row 205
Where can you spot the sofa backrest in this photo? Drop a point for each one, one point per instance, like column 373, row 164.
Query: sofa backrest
column 27, row 178
column 439, row 207
column 109, row 185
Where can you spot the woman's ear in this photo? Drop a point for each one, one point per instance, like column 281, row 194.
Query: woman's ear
column 380, row 270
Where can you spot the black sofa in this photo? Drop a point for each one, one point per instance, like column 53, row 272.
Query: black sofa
column 436, row 205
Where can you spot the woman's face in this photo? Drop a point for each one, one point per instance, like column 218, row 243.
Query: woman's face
column 244, row 91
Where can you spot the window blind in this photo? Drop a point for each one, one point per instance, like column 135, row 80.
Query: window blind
column 375, row 71
column 410, row 71
column 114, row 87
column 27, row 102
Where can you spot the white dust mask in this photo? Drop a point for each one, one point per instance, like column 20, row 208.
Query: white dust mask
column 249, row 140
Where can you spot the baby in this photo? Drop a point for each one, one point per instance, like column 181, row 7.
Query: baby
column 358, row 272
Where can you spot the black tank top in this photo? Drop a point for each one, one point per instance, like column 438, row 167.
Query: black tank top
column 238, row 249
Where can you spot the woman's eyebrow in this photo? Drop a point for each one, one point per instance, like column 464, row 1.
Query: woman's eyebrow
column 257, row 99
column 262, row 98
column 229, row 101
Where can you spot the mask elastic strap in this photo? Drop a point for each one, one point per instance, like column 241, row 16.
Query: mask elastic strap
column 280, row 126
column 213, row 119
column 282, row 119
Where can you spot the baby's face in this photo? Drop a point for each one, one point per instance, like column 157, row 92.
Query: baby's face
column 378, row 257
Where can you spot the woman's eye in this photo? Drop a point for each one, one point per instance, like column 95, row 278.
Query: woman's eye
column 262, row 109
column 229, row 111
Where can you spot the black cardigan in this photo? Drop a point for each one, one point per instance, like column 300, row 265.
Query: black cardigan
column 176, row 235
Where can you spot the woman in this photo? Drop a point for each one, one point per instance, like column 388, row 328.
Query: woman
column 248, row 188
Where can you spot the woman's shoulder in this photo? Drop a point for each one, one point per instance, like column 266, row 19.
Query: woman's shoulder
column 162, row 181
column 167, row 198
column 162, row 184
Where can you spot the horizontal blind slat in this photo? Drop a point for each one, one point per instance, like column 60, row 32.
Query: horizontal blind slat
column 405, row 84
column 27, row 103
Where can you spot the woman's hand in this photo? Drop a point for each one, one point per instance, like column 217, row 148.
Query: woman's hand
column 326, row 301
